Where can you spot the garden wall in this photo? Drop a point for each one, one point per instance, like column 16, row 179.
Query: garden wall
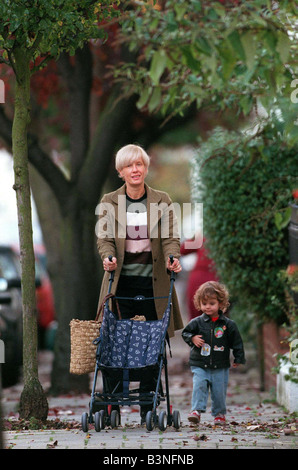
column 274, row 342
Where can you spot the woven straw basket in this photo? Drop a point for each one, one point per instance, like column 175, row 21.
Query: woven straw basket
column 82, row 349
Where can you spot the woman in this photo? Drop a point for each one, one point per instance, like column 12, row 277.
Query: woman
column 140, row 251
column 140, row 238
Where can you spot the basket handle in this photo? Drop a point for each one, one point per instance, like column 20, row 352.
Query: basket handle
column 107, row 297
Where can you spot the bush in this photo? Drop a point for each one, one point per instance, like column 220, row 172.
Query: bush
column 243, row 183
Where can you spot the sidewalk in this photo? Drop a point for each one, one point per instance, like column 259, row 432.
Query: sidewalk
column 253, row 422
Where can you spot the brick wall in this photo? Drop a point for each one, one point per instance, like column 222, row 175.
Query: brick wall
column 274, row 342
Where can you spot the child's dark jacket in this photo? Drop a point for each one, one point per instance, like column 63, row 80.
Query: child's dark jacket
column 220, row 337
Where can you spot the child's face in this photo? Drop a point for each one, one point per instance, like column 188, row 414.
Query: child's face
column 210, row 306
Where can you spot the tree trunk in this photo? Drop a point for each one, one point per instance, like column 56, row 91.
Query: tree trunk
column 81, row 283
column 49, row 217
column 33, row 402
column 80, row 268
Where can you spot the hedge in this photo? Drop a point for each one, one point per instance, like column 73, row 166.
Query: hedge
column 243, row 183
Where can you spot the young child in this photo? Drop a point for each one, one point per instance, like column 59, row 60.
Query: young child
column 211, row 336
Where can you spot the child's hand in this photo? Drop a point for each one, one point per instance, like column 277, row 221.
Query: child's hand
column 235, row 365
column 198, row 341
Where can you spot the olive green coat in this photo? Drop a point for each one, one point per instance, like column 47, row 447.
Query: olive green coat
column 161, row 246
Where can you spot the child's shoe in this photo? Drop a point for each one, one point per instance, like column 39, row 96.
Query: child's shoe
column 220, row 420
column 194, row 416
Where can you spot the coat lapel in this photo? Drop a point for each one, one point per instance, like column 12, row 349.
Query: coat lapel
column 153, row 216
column 119, row 200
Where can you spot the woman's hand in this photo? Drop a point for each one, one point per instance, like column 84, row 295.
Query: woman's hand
column 110, row 265
column 175, row 266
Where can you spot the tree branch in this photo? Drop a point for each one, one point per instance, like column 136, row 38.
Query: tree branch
column 78, row 78
column 4, row 61
column 114, row 128
column 50, row 172
column 40, row 160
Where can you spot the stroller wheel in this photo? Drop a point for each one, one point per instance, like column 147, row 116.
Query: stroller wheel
column 162, row 421
column 84, row 422
column 115, row 419
column 97, row 421
column 102, row 415
column 149, row 420
column 176, row 419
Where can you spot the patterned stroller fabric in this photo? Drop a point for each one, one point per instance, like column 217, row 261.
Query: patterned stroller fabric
column 129, row 343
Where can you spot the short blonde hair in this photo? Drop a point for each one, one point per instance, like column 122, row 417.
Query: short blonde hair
column 212, row 289
column 129, row 154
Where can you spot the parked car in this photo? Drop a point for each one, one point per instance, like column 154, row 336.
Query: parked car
column 45, row 305
column 11, row 319
column 46, row 317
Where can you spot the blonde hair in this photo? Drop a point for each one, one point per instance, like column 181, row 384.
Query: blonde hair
column 212, row 289
column 129, row 154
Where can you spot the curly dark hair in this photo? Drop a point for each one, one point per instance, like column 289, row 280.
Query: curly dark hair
column 212, row 289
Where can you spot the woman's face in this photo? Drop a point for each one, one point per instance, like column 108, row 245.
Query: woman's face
column 134, row 173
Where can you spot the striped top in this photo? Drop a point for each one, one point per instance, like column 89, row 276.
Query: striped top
column 137, row 264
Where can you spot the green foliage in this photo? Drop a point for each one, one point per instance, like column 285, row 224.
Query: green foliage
column 208, row 53
column 49, row 27
column 242, row 182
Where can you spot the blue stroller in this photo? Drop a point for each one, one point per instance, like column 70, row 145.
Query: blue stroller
column 127, row 350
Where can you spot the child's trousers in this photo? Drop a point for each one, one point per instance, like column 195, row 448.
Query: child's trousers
column 217, row 381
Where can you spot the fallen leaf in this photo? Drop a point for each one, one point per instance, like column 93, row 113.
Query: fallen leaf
column 289, row 432
column 203, row 437
column 52, row 446
column 253, row 428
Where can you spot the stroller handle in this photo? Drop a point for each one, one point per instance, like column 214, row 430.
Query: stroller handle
column 173, row 275
column 172, row 280
column 112, row 273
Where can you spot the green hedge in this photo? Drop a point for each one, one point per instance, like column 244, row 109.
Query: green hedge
column 243, row 183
